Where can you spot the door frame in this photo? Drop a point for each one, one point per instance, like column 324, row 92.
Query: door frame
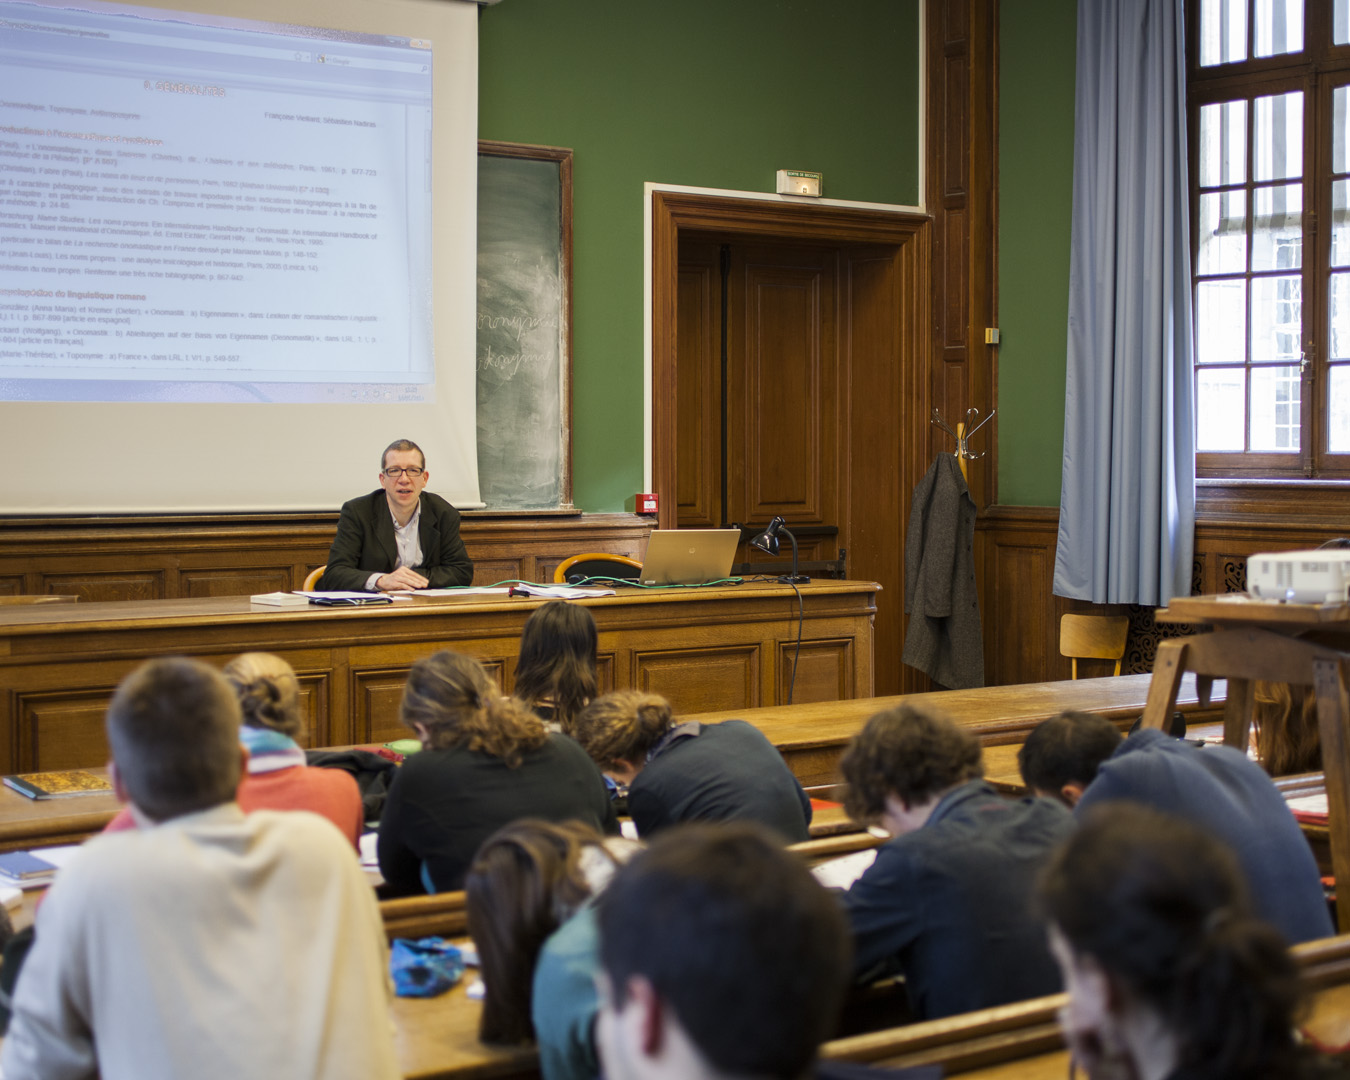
column 772, row 218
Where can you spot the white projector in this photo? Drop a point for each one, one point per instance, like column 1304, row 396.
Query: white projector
column 1321, row 576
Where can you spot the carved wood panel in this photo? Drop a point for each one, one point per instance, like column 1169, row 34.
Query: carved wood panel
column 698, row 489
column 782, row 386
column 112, row 585
column 961, row 169
column 377, row 696
column 234, row 581
column 824, row 671
column 62, row 729
column 701, row 680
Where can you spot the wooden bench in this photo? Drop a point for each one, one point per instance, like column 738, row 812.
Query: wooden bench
column 1022, row 1041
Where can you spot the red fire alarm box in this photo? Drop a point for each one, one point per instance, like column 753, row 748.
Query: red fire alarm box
column 646, row 504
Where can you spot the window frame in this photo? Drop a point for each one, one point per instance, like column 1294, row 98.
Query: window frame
column 1315, row 71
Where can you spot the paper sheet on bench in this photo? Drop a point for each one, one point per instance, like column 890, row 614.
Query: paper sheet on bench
column 842, row 872
column 1308, row 804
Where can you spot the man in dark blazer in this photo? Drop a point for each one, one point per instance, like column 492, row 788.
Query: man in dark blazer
column 398, row 537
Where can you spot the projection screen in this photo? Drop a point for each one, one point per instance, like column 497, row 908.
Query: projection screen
column 237, row 254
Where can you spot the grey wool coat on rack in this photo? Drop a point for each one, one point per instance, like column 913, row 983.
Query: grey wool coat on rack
column 943, row 639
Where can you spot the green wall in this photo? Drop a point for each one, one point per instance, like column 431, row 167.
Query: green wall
column 713, row 93
column 1036, row 87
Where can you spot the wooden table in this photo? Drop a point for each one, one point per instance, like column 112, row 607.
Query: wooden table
column 1251, row 639
column 811, row 738
column 705, row 648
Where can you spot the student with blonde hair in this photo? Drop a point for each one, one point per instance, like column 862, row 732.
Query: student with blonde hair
column 691, row 771
column 276, row 776
column 485, row 761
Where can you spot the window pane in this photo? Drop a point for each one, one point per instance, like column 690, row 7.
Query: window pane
column 1338, row 406
column 1339, row 348
column 1277, row 319
column 1340, row 23
column 1223, row 31
column 1338, row 130
column 1223, row 233
column 1278, row 138
column 1220, row 322
column 1220, row 409
column 1279, row 27
column 1340, row 222
column 1277, row 237
column 1223, row 143
column 1275, row 416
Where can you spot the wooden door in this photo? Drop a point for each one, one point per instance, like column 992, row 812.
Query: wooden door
column 790, row 398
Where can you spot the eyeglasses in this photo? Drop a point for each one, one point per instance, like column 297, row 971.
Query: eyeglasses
column 413, row 473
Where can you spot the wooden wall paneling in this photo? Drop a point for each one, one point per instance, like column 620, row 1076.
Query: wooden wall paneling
column 698, row 417
column 491, row 571
column 113, row 584
column 235, row 581
column 153, row 558
column 885, row 395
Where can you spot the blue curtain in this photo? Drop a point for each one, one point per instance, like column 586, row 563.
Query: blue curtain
column 1127, row 501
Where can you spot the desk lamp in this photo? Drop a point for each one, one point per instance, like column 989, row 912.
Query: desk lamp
column 767, row 542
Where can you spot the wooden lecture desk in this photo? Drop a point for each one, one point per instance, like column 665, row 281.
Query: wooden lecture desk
column 811, row 737
column 714, row 647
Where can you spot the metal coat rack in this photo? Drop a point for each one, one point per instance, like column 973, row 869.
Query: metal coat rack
column 963, row 434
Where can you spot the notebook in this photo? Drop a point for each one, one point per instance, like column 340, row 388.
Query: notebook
column 689, row 556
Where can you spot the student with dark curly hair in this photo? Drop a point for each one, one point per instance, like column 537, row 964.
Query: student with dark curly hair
column 485, row 761
column 692, row 771
column 948, row 899
column 1169, row 975
column 555, row 672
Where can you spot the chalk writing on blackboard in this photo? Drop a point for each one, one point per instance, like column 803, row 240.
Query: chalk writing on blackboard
column 521, row 338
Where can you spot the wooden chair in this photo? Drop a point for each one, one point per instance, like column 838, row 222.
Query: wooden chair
column 1097, row 637
column 597, row 564
column 312, row 578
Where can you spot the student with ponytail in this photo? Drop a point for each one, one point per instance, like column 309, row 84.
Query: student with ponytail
column 691, row 771
column 486, row 760
column 1169, row 975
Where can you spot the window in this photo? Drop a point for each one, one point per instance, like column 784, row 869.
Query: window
column 1269, row 119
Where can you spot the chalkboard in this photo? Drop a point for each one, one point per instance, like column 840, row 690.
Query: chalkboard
column 524, row 326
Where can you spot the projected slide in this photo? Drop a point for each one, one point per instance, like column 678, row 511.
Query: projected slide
column 211, row 210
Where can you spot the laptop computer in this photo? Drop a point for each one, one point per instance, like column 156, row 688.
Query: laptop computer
column 689, row 556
